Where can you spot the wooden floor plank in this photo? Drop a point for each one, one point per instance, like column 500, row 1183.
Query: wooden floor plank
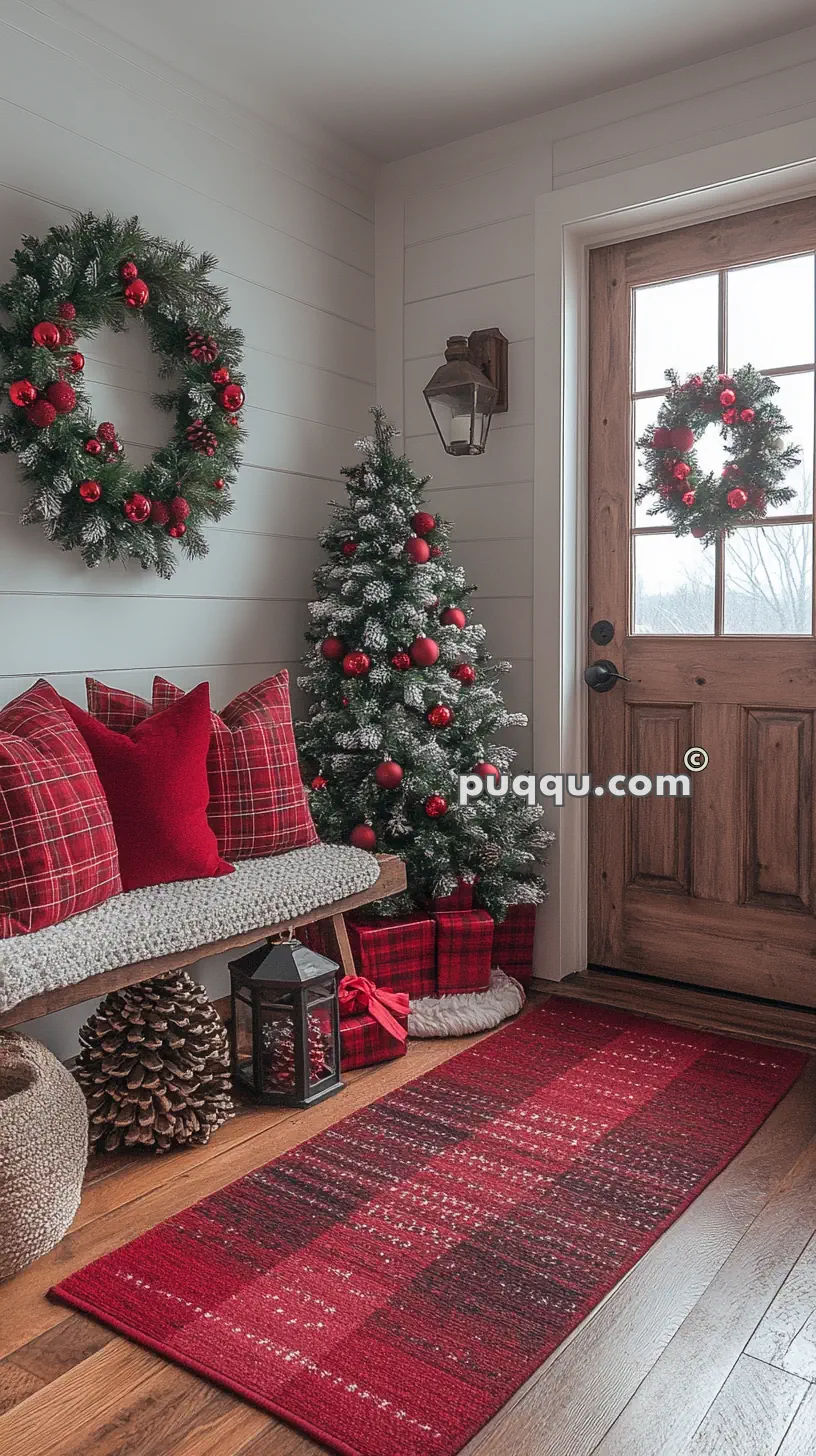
column 801, row 1436
column 50, row 1355
column 752, row 1412
column 279, row 1440
column 800, row 1357
column 16, row 1385
column 788, row 1313
column 569, row 1405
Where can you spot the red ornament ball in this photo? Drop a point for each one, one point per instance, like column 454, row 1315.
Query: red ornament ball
column 423, row 522
column 66, row 336
column 76, row 362
column 424, row 652
column 485, row 770
column 737, row 498
column 689, row 498
column 137, row 293
column 220, row 376
column 453, row 617
column 128, row 271
column 137, row 508
column 727, row 397
column 681, row 471
column 90, row 491
column 661, row 439
column 159, row 513
column 401, row 661
column 93, row 446
column 67, row 310
column 45, row 335
column 219, row 483
column 747, row 416
column 436, row 806
column 698, row 532
column 440, row 716
column 176, row 529
column 436, row 551
column 418, row 550
column 349, row 548
column 22, row 393
column 695, row 381
column 464, row 672
column 61, row 396
column 356, row 664
column 318, row 782
column 682, row 438
column 41, row 413
column 388, row 775
column 179, row 508
column 729, row 417
column 332, row 648
column 107, row 432
column 363, row 837
column 231, row 397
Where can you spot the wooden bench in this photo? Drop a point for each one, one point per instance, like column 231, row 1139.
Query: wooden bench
column 391, row 880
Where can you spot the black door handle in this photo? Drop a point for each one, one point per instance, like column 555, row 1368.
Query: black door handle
column 602, row 676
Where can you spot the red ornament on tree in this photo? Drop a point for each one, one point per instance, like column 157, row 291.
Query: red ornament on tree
column 90, row 491
column 76, row 362
column 128, row 271
column 345, row 702
column 696, row 381
column 61, row 396
column 41, row 413
column 332, row 648
column 67, row 310
column 137, row 294
column 440, row 716
column 93, row 446
column 349, row 548
column 423, row 522
column 45, row 335
column 22, row 393
column 363, row 837
column 436, row 806
column 424, row 652
column 356, row 664
column 418, row 550
column 737, row 498
column 401, row 661
column 219, row 483
column 176, row 529
column 220, row 376
column 66, row 336
column 318, row 782
column 729, row 417
column 179, row 508
column 436, row 551
column 137, row 508
column 453, row 617
column 159, row 513
column 682, row 438
column 231, row 397
column 681, row 471
column 464, row 672
column 485, row 770
column 698, row 532
column 388, row 775
column 689, row 498
column 107, row 432
column 661, row 438
column 727, row 397
column 747, row 416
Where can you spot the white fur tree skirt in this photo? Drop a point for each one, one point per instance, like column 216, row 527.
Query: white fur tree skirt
column 470, row 1012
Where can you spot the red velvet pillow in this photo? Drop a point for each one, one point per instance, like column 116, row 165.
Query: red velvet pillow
column 57, row 846
column 257, row 800
column 155, row 779
column 115, row 707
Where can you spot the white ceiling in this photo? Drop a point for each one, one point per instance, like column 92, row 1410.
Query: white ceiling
column 392, row 77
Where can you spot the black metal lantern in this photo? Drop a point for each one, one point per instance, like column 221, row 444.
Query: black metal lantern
column 285, row 1024
column 468, row 389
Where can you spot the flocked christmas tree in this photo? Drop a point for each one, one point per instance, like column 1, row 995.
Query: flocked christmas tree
column 406, row 699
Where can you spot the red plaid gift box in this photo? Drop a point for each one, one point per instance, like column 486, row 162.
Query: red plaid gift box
column 373, row 1023
column 398, row 954
column 461, row 899
column 513, row 942
column 464, row 947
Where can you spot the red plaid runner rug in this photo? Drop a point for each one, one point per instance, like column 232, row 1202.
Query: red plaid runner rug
column 389, row 1284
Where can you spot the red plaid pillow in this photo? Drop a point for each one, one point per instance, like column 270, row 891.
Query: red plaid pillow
column 257, row 800
column 114, row 707
column 57, row 846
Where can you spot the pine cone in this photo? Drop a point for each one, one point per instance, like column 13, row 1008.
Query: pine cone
column 201, row 439
column 201, row 347
column 155, row 1066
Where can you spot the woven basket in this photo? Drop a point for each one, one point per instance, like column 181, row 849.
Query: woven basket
column 43, row 1151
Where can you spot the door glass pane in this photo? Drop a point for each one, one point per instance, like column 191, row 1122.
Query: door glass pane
column 770, row 314
column 645, row 415
column 768, row 573
column 676, row 327
column 673, row 585
column 795, row 399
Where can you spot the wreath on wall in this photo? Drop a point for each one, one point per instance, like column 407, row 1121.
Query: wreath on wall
column 99, row 272
column 703, row 504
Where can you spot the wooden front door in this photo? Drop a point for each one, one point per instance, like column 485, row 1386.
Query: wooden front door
column 718, row 643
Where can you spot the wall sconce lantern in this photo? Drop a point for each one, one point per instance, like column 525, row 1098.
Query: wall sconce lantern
column 468, row 390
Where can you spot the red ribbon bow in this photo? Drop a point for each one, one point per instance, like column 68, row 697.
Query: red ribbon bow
column 356, row 994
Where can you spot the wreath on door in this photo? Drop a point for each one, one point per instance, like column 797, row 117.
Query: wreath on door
column 96, row 273
column 703, row 504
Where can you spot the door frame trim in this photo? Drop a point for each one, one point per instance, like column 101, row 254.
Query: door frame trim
column 737, row 176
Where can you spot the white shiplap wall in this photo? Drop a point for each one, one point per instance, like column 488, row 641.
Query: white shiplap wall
column 86, row 127
column 455, row 239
